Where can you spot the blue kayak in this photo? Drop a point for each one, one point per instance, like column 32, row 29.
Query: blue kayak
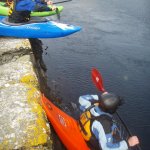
column 36, row 29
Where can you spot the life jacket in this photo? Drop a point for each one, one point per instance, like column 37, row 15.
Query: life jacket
column 85, row 122
column 11, row 8
column 18, row 16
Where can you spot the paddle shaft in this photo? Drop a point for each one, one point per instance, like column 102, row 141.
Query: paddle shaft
column 98, row 81
column 62, row 2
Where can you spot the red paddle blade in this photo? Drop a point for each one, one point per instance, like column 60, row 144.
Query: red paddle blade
column 97, row 79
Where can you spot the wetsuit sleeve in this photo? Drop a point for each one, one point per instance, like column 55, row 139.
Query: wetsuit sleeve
column 104, row 141
column 86, row 100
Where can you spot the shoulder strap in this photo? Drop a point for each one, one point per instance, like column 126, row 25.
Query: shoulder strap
column 88, row 109
column 104, row 119
column 82, row 125
column 106, row 122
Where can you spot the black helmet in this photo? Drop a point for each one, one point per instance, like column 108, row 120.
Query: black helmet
column 110, row 102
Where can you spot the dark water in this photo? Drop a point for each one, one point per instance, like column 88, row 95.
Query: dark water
column 115, row 39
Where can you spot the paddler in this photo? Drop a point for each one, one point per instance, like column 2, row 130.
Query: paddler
column 20, row 10
column 98, row 126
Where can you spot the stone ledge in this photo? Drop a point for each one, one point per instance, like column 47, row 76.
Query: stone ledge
column 23, row 122
column 11, row 49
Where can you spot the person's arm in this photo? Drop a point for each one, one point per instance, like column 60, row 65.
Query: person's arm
column 42, row 5
column 40, row 2
column 104, row 142
column 133, row 140
column 86, row 101
column 49, row 2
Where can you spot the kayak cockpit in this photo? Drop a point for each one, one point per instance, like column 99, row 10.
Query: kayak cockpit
column 32, row 20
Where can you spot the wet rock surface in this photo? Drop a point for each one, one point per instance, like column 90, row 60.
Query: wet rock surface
column 23, row 121
column 11, row 49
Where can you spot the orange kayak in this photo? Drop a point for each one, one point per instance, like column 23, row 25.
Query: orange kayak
column 65, row 126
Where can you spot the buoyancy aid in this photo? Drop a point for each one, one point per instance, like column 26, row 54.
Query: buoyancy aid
column 110, row 128
column 11, row 7
column 18, row 16
column 85, row 125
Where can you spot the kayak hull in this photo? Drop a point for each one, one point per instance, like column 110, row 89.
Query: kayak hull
column 65, row 126
column 49, row 29
column 4, row 11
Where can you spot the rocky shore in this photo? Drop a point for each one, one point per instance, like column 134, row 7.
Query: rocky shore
column 23, row 123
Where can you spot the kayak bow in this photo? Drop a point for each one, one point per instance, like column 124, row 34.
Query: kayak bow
column 65, row 126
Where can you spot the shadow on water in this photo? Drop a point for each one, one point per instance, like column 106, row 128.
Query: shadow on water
column 44, row 88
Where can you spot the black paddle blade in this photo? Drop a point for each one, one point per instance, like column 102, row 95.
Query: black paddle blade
column 58, row 14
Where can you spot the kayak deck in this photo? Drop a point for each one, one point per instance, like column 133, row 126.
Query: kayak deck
column 65, row 126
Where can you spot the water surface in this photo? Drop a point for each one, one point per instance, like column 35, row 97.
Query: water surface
column 115, row 38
